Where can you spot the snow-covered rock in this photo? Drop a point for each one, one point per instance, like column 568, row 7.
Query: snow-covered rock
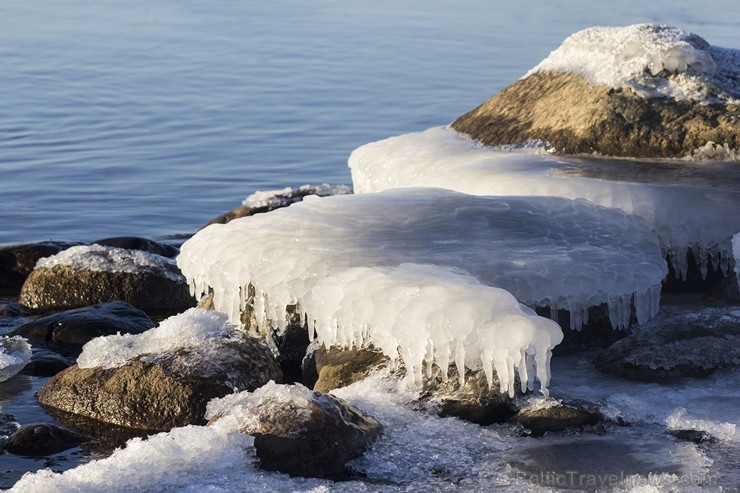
column 86, row 275
column 638, row 91
column 15, row 353
column 298, row 431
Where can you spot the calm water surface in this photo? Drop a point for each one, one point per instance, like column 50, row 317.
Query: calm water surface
column 148, row 118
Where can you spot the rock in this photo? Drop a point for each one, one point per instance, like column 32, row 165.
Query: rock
column 684, row 341
column 17, row 262
column 574, row 114
column 137, row 243
column 475, row 401
column 46, row 363
column 15, row 354
column 329, row 369
column 300, row 432
column 41, row 440
column 556, row 417
column 261, row 202
column 83, row 276
column 76, row 327
column 157, row 392
column 694, row 436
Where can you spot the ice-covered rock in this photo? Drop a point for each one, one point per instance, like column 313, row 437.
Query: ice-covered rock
column 15, row 353
column 86, row 275
column 639, row 91
column 298, row 431
column 688, row 205
column 164, row 377
column 422, row 273
column 269, row 200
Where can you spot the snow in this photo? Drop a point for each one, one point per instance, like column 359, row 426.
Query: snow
column 686, row 207
column 192, row 328
column 99, row 258
column 641, row 57
column 15, row 354
column 286, row 196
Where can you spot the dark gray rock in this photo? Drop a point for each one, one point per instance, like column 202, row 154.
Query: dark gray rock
column 138, row 243
column 41, row 440
column 78, row 326
column 46, row 363
column 305, row 433
column 17, row 262
column 159, row 392
column 683, row 341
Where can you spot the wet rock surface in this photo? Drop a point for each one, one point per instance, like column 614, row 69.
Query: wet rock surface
column 328, row 369
column 76, row 327
column 575, row 117
column 40, row 440
column 161, row 391
column 683, row 341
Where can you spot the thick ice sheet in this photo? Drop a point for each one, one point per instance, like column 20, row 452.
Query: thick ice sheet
column 192, row 328
column 701, row 217
column 641, row 57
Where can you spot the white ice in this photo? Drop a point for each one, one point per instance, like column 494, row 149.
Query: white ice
column 640, row 56
column 428, row 274
column 99, row 258
column 15, row 354
column 192, row 328
column 683, row 214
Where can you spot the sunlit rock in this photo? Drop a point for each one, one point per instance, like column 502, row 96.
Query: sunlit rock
column 636, row 91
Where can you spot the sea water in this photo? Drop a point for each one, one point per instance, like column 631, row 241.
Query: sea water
column 149, row 118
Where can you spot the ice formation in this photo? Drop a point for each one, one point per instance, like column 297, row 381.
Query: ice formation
column 286, row 196
column 99, row 258
column 192, row 328
column 15, row 353
column 683, row 213
column 640, row 56
column 430, row 273
column 681, row 420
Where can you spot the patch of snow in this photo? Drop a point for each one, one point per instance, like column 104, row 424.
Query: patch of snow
column 99, row 258
column 654, row 60
column 682, row 215
column 15, row 354
column 192, row 328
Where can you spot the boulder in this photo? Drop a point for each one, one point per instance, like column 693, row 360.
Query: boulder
column 159, row 391
column 684, row 341
column 556, row 416
column 645, row 107
column 138, row 243
column 17, row 262
column 298, row 431
column 82, row 276
column 76, row 327
column 46, row 363
column 41, row 440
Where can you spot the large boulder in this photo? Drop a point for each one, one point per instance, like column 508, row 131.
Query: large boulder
column 298, row 431
column 18, row 261
column 164, row 377
column 86, row 275
column 684, row 341
column 78, row 326
column 638, row 91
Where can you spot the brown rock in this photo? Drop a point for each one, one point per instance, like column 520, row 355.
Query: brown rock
column 575, row 117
